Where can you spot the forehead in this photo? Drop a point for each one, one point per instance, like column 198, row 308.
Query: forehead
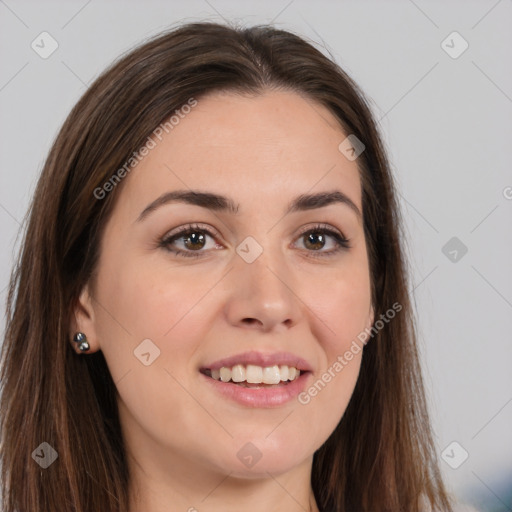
column 257, row 149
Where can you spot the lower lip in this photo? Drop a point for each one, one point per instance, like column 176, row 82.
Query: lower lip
column 262, row 397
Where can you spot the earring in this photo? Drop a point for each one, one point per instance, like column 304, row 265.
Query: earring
column 81, row 338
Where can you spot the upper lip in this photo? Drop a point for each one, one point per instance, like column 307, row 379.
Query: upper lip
column 261, row 359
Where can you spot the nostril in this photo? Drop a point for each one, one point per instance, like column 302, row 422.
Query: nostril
column 250, row 321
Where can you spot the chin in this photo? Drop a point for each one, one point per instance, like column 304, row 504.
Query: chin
column 255, row 458
column 263, row 469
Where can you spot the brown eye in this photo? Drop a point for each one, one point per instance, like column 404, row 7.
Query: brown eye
column 192, row 239
column 318, row 237
column 197, row 240
column 314, row 240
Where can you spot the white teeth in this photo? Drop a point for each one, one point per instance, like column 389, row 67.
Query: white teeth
column 253, row 374
column 284, row 373
column 238, row 373
column 225, row 374
column 271, row 375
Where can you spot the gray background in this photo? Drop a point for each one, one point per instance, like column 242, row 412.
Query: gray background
column 446, row 122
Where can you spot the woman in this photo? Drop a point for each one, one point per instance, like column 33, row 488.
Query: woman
column 210, row 309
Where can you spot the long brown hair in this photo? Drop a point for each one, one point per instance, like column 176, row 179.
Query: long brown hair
column 381, row 456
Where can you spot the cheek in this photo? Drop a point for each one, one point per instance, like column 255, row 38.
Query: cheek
column 343, row 307
column 149, row 302
column 343, row 316
column 141, row 311
column 341, row 310
column 149, row 327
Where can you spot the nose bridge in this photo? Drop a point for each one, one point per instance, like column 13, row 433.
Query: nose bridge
column 262, row 288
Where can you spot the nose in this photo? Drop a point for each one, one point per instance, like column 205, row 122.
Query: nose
column 263, row 294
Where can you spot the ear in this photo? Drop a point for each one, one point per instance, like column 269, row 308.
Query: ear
column 84, row 321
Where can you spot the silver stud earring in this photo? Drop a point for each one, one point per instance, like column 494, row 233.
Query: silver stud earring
column 81, row 338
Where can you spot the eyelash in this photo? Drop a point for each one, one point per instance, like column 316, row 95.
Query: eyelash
column 342, row 243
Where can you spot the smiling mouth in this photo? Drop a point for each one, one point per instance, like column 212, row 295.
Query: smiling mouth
column 256, row 377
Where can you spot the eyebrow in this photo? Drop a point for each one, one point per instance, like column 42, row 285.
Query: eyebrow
column 221, row 203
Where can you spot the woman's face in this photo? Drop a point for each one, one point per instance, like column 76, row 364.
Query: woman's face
column 260, row 285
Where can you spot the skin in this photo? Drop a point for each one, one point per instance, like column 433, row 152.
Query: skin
column 182, row 437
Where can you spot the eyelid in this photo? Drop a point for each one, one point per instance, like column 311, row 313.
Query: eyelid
column 191, row 227
column 321, row 226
